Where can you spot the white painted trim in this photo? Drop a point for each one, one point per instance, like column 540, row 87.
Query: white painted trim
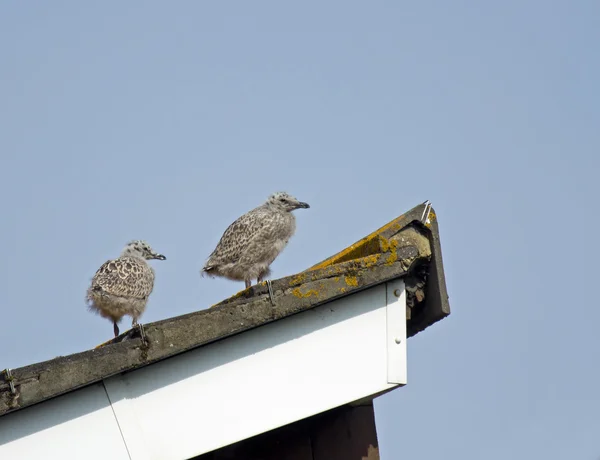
column 265, row 378
column 396, row 332
column 77, row 425
column 124, row 410
column 226, row 391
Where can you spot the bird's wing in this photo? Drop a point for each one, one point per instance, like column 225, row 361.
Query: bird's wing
column 238, row 236
column 124, row 277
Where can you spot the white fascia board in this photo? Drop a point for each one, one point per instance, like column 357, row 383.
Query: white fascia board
column 396, row 332
column 264, row 378
column 232, row 389
column 78, row 425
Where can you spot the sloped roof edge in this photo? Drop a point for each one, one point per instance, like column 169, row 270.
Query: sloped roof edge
column 406, row 247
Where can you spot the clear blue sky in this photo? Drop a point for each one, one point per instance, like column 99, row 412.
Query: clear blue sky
column 167, row 120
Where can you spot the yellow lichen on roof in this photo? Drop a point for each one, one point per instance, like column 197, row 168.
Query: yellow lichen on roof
column 351, row 280
column 299, row 279
column 310, row 292
column 393, row 257
column 103, row 344
column 370, row 244
column 431, row 218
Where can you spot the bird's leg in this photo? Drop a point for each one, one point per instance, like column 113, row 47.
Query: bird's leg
column 116, row 328
column 248, row 283
column 261, row 277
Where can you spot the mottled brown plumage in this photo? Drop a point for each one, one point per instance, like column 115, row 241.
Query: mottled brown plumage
column 251, row 243
column 122, row 286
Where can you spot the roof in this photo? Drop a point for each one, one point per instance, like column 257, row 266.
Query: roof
column 408, row 247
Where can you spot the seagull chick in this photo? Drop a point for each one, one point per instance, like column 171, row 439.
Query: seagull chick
column 122, row 286
column 250, row 244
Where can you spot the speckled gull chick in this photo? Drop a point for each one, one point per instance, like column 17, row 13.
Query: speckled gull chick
column 122, row 286
column 251, row 243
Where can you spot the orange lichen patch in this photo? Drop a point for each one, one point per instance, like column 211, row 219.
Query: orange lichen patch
column 351, row 280
column 298, row 293
column 364, row 247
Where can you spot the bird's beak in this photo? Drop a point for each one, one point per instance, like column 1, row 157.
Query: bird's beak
column 301, row 204
column 159, row 257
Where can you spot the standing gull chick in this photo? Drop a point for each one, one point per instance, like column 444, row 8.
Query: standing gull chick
column 122, row 286
column 250, row 244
